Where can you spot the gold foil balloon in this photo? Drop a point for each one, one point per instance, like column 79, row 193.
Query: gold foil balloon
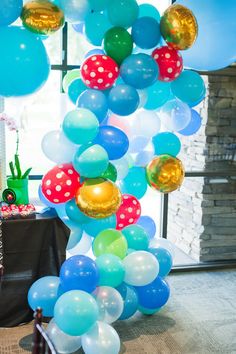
column 42, row 17
column 179, row 27
column 165, row 173
column 98, row 198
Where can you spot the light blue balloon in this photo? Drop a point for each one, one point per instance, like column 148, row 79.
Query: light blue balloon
column 75, row 11
column 146, row 32
column 91, row 162
column 166, row 143
column 43, row 199
column 122, row 13
column 95, row 101
column 149, row 10
column 189, row 87
column 123, row 100
column 24, row 64
column 157, row 95
column 139, row 70
column 130, row 298
column 164, row 259
column 80, row 126
column 73, row 212
column 75, row 237
column 95, row 226
column 43, row 294
column 92, row 52
column 137, row 237
column 96, row 25
column 98, row 5
column 175, row 115
column 10, row 10
column 75, row 89
column 75, row 312
column 135, row 182
column 215, row 46
column 148, row 224
column 78, row 27
column 138, row 143
column 111, row 270
column 194, row 124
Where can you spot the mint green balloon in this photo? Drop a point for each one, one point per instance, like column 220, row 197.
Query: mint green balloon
column 91, row 162
column 111, row 270
column 122, row 13
column 136, row 237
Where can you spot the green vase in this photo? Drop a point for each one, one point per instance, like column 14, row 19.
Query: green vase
column 19, row 190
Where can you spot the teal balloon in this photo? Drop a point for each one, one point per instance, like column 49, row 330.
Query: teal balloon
column 80, row 126
column 96, row 25
column 166, row 143
column 91, row 162
column 73, row 212
column 157, row 95
column 150, row 11
column 135, row 182
column 137, row 237
column 164, row 259
column 24, row 64
column 146, row 311
column 130, row 298
column 75, row 312
column 98, row 5
column 10, row 10
column 189, row 87
column 95, row 226
column 122, row 13
column 111, row 270
column 75, row 89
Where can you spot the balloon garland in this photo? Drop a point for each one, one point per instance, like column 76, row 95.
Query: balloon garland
column 133, row 101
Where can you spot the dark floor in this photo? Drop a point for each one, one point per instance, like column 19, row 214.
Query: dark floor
column 200, row 318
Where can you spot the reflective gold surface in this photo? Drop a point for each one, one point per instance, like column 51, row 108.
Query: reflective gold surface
column 165, row 173
column 98, row 198
column 42, row 17
column 179, row 27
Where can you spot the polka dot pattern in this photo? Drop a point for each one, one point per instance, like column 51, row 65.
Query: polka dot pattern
column 169, row 61
column 99, row 72
column 129, row 211
column 61, row 183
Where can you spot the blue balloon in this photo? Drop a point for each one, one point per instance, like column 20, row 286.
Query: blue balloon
column 164, row 259
column 153, row 295
column 157, row 95
column 92, row 52
column 194, row 124
column 79, row 273
column 215, row 47
column 148, row 224
column 24, row 64
column 189, row 87
column 78, row 27
column 95, row 101
column 95, row 226
column 45, row 200
column 139, row 70
column 73, row 212
column 123, row 100
column 98, row 5
column 75, row 89
column 135, row 182
column 146, row 32
column 43, row 293
column 149, row 10
column 96, row 25
column 10, row 10
column 166, row 143
column 113, row 140
column 130, row 298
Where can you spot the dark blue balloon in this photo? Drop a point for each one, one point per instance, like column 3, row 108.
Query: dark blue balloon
column 123, row 100
column 153, row 295
column 146, row 32
column 79, row 273
column 193, row 126
column 130, row 298
column 164, row 259
column 113, row 140
column 95, row 101
column 139, row 70
column 75, row 89
column 148, row 224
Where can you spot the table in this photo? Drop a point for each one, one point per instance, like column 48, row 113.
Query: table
column 32, row 248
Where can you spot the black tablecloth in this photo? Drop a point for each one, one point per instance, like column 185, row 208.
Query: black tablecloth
column 32, row 248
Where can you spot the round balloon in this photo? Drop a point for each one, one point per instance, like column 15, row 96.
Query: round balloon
column 95, row 101
column 136, row 237
column 75, row 11
column 135, row 182
column 10, row 10
column 111, row 270
column 169, row 61
column 157, row 95
column 96, row 25
column 148, row 224
column 110, row 241
column 98, row 5
column 75, row 88
column 123, row 100
column 146, row 32
column 166, row 143
column 193, row 126
column 118, row 44
column 95, row 226
column 164, row 259
column 122, row 13
column 74, row 214
column 110, row 303
column 110, row 173
column 129, row 211
column 130, row 299
column 175, row 115
column 150, row 11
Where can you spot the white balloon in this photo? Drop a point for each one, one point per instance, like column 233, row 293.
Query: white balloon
column 163, row 243
column 147, row 124
column 83, row 246
column 110, row 303
column 122, row 167
column 175, row 115
column 143, row 96
column 75, row 10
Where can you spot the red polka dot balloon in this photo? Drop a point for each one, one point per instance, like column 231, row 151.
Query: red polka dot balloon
column 170, row 63
column 99, row 72
column 61, row 183
column 129, row 211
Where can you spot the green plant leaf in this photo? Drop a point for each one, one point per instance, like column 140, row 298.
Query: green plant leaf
column 17, row 164
column 12, row 170
column 27, row 172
